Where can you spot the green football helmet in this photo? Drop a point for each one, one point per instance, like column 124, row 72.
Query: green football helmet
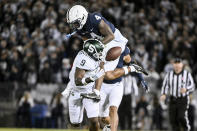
column 94, row 48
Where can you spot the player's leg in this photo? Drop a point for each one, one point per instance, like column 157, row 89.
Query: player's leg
column 92, row 109
column 115, row 98
column 75, row 109
column 119, row 41
column 183, row 113
column 173, row 115
column 105, row 121
column 94, row 124
column 113, row 117
column 104, row 106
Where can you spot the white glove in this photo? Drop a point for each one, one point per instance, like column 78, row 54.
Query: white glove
column 98, row 74
column 66, row 92
column 132, row 68
column 138, row 69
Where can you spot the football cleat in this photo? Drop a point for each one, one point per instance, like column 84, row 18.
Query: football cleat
column 107, row 128
column 92, row 96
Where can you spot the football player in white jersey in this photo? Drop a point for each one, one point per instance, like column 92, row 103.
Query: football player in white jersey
column 84, row 73
column 87, row 68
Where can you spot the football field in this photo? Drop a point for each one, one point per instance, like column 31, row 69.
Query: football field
column 32, row 129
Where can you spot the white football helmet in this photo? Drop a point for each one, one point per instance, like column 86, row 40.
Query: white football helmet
column 77, row 17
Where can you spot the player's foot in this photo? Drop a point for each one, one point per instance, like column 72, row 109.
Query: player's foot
column 139, row 69
column 107, row 128
column 92, row 95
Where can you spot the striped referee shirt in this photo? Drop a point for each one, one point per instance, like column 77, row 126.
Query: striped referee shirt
column 174, row 82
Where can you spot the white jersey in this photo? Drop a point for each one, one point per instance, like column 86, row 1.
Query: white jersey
column 83, row 61
column 76, row 103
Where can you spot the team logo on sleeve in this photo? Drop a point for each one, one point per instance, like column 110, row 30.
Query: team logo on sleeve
column 97, row 17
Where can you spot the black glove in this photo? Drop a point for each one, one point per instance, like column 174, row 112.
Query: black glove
column 139, row 68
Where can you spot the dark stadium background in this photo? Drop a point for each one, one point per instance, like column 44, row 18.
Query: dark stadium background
column 35, row 57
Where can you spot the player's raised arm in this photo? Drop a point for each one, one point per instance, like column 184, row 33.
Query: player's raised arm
column 119, row 72
column 106, row 31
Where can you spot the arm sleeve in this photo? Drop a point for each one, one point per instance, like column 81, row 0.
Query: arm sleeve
column 165, row 86
column 190, row 83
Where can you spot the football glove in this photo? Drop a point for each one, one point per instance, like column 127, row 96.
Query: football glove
column 137, row 68
column 67, row 91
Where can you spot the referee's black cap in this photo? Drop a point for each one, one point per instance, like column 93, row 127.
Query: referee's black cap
column 177, row 60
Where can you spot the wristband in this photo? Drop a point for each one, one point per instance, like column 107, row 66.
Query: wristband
column 126, row 71
column 97, row 92
column 83, row 81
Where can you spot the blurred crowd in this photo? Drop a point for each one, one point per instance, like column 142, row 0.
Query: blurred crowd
column 34, row 49
column 40, row 114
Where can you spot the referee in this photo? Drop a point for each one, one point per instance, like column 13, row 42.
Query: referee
column 180, row 84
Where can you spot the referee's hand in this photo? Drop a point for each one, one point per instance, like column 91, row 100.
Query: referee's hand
column 183, row 90
column 163, row 98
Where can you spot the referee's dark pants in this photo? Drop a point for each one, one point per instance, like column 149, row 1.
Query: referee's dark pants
column 178, row 113
column 125, row 113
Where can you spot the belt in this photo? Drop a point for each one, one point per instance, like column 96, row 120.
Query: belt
column 176, row 98
column 107, row 82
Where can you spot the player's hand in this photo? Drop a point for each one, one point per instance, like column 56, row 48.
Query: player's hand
column 99, row 73
column 102, row 65
column 102, row 59
column 66, row 93
column 163, row 98
column 183, row 90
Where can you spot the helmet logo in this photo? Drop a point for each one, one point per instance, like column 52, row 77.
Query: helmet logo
column 91, row 48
